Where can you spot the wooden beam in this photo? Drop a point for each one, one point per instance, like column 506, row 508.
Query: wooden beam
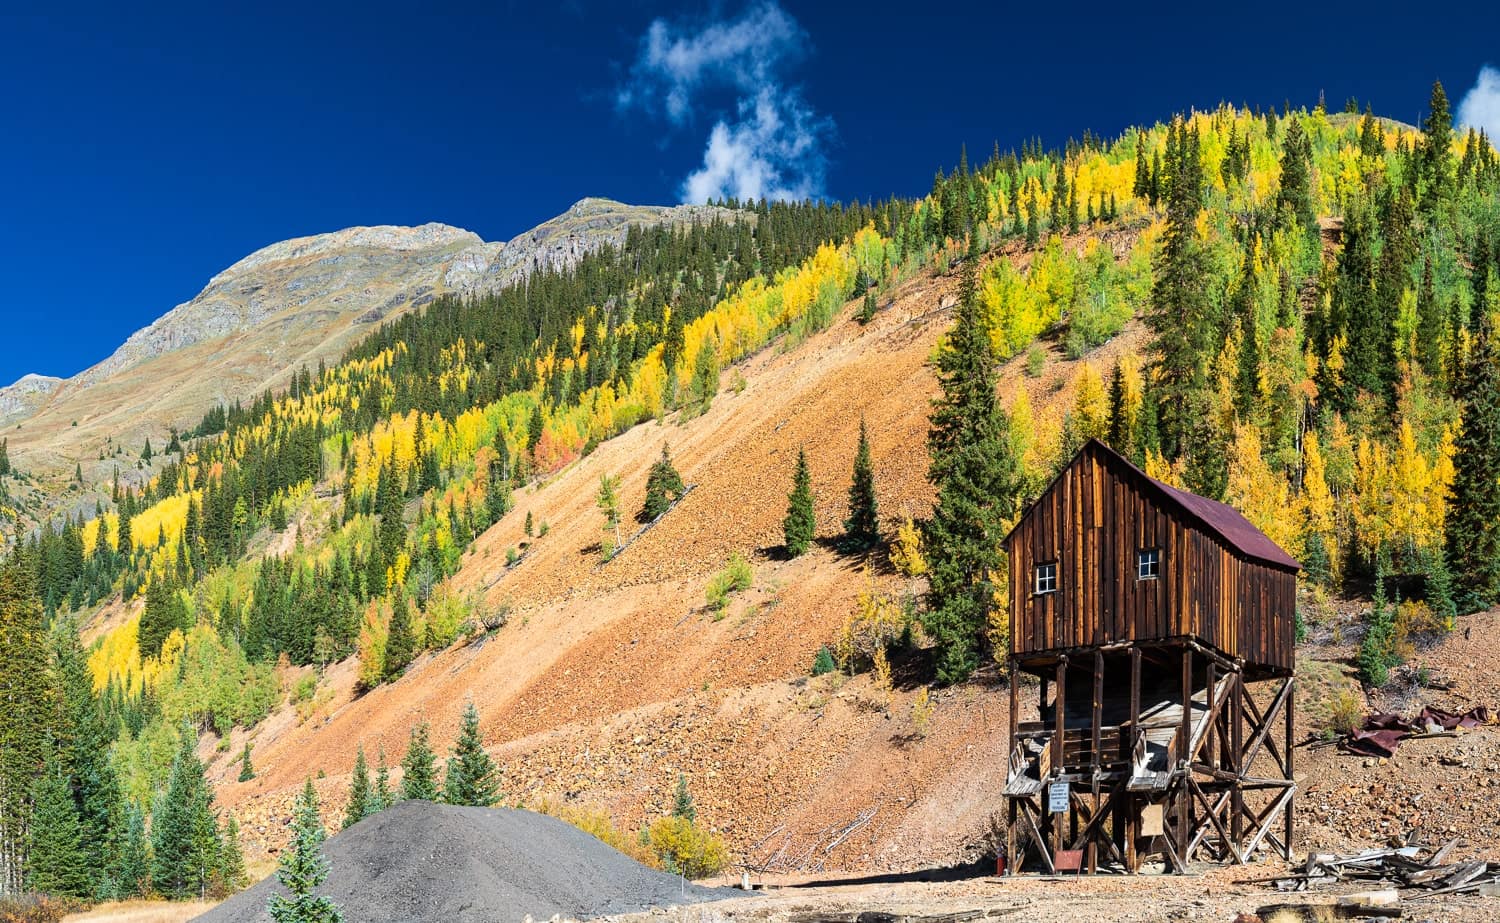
column 1291, row 704
column 1264, row 723
column 1036, row 834
column 1098, row 720
column 1212, row 811
column 1185, row 735
column 1280, row 803
column 1237, row 752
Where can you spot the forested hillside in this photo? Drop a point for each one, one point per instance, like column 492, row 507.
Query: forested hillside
column 1319, row 289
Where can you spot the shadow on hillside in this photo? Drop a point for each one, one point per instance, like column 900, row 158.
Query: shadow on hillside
column 980, row 868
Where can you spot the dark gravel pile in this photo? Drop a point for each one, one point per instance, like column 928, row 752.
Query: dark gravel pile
column 417, row 862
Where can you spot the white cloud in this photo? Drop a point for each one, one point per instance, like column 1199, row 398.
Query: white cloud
column 1481, row 105
column 772, row 144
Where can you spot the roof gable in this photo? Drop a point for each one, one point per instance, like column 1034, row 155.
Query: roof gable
column 1220, row 520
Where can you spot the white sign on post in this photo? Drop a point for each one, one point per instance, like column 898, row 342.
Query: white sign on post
column 1057, row 798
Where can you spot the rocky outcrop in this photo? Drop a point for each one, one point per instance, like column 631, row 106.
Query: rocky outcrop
column 22, row 399
column 355, row 271
column 557, row 244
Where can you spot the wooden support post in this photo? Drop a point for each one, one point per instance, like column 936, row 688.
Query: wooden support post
column 1132, row 811
column 1291, row 699
column 1237, row 749
column 1059, row 721
column 1096, row 744
column 1185, row 737
column 1211, row 721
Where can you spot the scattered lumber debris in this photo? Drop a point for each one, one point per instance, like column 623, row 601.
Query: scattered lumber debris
column 1423, row 868
column 1383, row 733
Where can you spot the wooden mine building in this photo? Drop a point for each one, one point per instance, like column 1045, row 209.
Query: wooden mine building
column 1161, row 625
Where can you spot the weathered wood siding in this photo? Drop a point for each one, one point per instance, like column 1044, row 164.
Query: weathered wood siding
column 1092, row 521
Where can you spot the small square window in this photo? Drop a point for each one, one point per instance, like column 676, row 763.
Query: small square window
column 1046, row 578
column 1148, row 564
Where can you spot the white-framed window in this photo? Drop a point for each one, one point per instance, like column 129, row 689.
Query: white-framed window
column 1046, row 578
column 1148, row 564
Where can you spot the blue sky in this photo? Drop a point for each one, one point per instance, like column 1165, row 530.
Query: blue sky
column 146, row 149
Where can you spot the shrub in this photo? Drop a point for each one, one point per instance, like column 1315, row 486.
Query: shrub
column 906, row 550
column 823, row 661
column 1036, row 362
column 685, row 848
column 876, row 623
column 511, row 556
column 598, row 823
column 37, row 908
column 736, row 577
column 1345, row 712
column 921, row 712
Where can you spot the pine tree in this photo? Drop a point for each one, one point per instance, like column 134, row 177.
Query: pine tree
column 84, row 739
column 146, row 451
column 419, row 778
column 977, row 480
column 401, row 642
column 867, row 307
column 247, row 771
column 303, row 868
column 360, row 796
column 28, row 717
column 472, row 778
column 185, row 846
column 132, row 869
column 706, row 373
column 1436, row 153
column 663, row 487
column 4, row 457
column 682, row 802
column 1142, row 186
column 862, row 528
column 1473, row 522
column 382, row 797
column 55, row 862
column 232, row 857
column 800, row 525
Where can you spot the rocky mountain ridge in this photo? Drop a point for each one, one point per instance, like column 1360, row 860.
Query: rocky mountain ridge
column 287, row 305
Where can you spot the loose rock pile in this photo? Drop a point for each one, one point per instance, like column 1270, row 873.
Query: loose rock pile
column 417, row 862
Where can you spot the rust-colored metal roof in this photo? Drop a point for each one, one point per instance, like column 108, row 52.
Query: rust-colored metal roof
column 1218, row 519
column 1228, row 523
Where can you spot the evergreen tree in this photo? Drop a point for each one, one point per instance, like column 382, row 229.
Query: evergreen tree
column 799, row 525
column 663, row 487
column 4, row 457
column 867, row 307
column 706, row 373
column 146, row 451
column 232, row 859
column 360, row 797
column 303, row 868
column 247, row 771
column 56, row 860
column 1179, row 314
column 132, row 869
column 401, row 642
column 977, row 481
column 1473, row 522
column 472, row 778
column 1141, row 189
column 382, row 797
column 185, row 845
column 84, row 740
column 419, row 778
column 862, row 528
column 682, row 802
column 27, row 720
column 1436, row 154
